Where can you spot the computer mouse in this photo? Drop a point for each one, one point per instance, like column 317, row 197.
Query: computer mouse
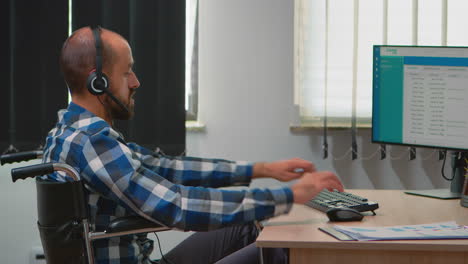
column 343, row 214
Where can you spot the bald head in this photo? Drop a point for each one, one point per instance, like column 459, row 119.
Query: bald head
column 78, row 56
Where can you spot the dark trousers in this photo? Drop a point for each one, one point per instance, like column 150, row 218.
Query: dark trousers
column 223, row 246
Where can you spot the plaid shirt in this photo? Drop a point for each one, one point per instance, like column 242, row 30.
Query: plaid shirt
column 127, row 179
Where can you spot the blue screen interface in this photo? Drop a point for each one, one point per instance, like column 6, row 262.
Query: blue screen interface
column 420, row 96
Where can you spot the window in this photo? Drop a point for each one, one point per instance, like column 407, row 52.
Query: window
column 333, row 49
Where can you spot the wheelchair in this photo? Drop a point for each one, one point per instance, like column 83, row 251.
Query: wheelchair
column 63, row 221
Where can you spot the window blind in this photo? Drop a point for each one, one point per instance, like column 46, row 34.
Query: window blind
column 333, row 49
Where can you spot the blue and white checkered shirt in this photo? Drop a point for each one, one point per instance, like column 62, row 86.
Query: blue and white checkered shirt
column 127, row 179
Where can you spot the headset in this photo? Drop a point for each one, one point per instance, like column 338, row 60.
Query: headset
column 97, row 81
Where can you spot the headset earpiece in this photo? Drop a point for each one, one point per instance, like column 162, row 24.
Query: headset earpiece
column 97, row 81
column 97, row 86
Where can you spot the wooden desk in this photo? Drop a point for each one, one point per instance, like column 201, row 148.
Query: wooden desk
column 299, row 231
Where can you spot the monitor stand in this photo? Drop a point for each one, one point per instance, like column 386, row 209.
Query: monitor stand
column 456, row 185
column 436, row 193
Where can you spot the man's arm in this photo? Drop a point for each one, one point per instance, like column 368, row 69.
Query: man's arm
column 113, row 170
column 192, row 171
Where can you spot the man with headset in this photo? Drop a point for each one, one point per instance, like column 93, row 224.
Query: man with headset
column 179, row 192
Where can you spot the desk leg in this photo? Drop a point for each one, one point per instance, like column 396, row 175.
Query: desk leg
column 319, row 256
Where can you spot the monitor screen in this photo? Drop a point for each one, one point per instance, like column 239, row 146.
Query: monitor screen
column 420, row 96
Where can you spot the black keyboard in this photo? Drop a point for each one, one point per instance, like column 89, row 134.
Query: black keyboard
column 326, row 200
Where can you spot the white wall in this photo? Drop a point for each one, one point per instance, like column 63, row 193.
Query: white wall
column 246, row 102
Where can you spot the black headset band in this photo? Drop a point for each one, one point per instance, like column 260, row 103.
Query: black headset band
column 98, row 45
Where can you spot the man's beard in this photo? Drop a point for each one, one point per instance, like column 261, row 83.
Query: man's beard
column 118, row 112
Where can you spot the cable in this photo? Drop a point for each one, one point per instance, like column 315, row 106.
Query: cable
column 344, row 156
column 184, row 153
column 371, row 156
column 430, row 155
column 354, row 147
column 160, row 251
column 443, row 166
column 325, row 90
column 361, row 158
column 396, row 157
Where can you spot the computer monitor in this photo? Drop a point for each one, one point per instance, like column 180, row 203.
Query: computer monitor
column 420, row 98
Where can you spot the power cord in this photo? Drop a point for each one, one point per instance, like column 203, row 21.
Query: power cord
column 443, row 166
column 160, row 250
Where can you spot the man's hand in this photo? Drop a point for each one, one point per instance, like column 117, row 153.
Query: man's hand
column 312, row 183
column 285, row 170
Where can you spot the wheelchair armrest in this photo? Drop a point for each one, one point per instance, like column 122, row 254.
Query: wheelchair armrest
column 31, row 171
column 42, row 169
column 128, row 223
column 20, row 156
